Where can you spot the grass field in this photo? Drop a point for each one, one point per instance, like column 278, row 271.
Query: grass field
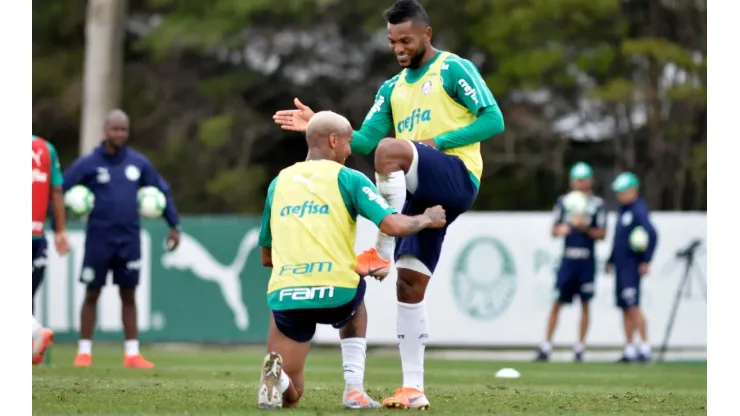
column 224, row 382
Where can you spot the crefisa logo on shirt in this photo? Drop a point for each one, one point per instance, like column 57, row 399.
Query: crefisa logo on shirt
column 418, row 116
column 307, row 208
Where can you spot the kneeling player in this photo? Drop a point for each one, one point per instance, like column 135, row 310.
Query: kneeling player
column 307, row 237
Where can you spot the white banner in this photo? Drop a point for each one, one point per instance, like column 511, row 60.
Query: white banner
column 59, row 299
column 494, row 285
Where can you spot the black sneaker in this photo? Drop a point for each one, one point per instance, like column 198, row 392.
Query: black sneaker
column 643, row 359
column 542, row 356
column 625, row 359
column 578, row 357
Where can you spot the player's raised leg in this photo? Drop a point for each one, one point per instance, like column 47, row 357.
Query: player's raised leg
column 395, row 167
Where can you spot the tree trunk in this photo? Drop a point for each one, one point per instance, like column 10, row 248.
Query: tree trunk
column 103, row 67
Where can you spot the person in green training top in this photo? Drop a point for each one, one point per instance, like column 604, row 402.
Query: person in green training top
column 439, row 109
column 46, row 185
column 307, row 237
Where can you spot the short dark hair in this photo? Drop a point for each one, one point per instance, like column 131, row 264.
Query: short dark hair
column 403, row 10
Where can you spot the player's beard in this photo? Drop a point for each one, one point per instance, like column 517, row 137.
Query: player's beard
column 418, row 56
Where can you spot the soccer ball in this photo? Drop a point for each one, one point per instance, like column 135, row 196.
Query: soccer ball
column 79, row 200
column 152, row 202
column 576, row 203
column 639, row 239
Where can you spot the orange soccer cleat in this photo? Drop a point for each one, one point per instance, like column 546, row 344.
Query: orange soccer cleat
column 137, row 361
column 40, row 344
column 369, row 263
column 83, row 360
column 407, row 398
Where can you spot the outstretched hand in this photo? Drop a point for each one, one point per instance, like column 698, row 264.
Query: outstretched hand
column 294, row 120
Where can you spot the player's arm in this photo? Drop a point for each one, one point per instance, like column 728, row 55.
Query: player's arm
column 643, row 218
column 150, row 177
column 57, row 192
column 464, row 84
column 265, row 238
column 76, row 173
column 597, row 229
column 377, row 124
column 559, row 226
column 370, row 204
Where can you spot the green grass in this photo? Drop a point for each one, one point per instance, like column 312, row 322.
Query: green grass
column 224, row 382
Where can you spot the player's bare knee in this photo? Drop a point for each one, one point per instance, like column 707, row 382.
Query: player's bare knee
column 91, row 295
column 357, row 326
column 128, row 295
column 410, row 286
column 393, row 155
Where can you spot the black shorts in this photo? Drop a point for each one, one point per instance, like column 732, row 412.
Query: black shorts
column 38, row 259
column 443, row 180
column 300, row 324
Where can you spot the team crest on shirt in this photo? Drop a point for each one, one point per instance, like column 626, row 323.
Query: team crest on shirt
column 132, row 173
column 426, row 87
column 627, row 218
column 103, row 175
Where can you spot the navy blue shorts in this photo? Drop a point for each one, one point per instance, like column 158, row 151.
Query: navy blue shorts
column 575, row 277
column 300, row 324
column 123, row 259
column 443, row 180
column 627, row 285
column 39, row 259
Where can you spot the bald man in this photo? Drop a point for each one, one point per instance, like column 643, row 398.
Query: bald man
column 114, row 173
column 307, row 238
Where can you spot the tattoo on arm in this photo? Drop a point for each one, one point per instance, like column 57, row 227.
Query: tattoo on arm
column 416, row 223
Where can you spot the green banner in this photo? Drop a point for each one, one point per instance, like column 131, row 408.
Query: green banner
column 211, row 289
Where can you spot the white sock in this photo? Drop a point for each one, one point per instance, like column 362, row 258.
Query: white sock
column 645, row 349
column 630, row 351
column 353, row 361
column 284, row 381
column 35, row 327
column 84, row 346
column 546, row 347
column 392, row 187
column 413, row 332
column 579, row 348
column 131, row 346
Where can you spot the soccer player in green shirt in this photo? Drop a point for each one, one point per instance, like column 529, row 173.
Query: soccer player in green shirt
column 441, row 109
column 307, row 237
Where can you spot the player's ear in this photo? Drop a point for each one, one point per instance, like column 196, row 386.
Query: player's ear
column 428, row 34
column 333, row 140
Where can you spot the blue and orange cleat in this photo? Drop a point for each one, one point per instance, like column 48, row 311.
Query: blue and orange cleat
column 369, row 263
